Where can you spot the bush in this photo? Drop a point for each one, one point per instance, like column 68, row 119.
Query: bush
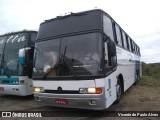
column 150, row 74
column 151, row 70
column 149, row 81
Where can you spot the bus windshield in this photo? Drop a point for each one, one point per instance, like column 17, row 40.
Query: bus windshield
column 2, row 43
column 77, row 55
column 13, row 44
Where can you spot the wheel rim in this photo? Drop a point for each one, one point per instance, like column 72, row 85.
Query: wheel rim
column 118, row 91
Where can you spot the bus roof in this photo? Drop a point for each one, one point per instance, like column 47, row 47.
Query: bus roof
column 71, row 14
column 72, row 23
column 69, row 24
column 11, row 33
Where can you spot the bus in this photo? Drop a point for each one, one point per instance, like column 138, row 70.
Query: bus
column 84, row 60
column 16, row 63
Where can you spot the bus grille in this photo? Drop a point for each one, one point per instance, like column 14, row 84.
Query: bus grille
column 61, row 92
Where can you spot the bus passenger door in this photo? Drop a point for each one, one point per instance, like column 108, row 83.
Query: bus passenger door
column 110, row 67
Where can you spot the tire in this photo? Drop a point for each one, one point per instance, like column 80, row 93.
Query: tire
column 118, row 91
column 136, row 79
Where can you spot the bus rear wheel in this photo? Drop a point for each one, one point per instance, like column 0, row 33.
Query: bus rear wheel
column 136, row 79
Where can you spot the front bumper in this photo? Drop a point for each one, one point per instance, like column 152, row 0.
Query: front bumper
column 82, row 101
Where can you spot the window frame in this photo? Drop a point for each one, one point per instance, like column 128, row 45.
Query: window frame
column 106, row 30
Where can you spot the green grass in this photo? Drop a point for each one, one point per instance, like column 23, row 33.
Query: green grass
column 149, row 81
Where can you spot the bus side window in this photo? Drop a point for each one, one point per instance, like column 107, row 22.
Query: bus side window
column 121, row 37
column 118, row 34
column 131, row 43
column 124, row 40
column 107, row 27
column 139, row 51
column 106, row 54
column 136, row 49
column 127, row 42
column 114, row 32
column 110, row 54
column 133, row 46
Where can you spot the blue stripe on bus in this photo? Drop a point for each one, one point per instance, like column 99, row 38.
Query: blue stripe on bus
column 22, row 59
column 9, row 81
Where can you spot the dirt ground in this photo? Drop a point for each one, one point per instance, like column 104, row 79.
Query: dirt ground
column 139, row 98
column 136, row 98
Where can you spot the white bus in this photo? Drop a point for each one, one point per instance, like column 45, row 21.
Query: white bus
column 16, row 63
column 84, row 60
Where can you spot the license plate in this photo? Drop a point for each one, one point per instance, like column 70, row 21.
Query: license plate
column 1, row 89
column 59, row 101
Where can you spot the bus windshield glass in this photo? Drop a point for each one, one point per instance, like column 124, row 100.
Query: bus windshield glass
column 77, row 55
column 2, row 43
column 13, row 44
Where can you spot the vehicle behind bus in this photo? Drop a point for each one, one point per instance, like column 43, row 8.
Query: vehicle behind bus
column 78, row 62
column 16, row 63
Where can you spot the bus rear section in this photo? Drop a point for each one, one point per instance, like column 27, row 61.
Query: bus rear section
column 16, row 63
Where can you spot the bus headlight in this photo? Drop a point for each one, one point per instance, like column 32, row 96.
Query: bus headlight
column 90, row 90
column 38, row 89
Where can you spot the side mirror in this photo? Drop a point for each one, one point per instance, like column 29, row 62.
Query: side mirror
column 112, row 48
column 21, row 55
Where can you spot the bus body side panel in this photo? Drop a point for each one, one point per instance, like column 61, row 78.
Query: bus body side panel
column 109, row 84
column 21, row 89
column 137, row 65
column 126, row 66
column 29, row 84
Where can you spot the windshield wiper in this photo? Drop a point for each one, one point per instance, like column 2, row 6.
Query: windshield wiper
column 66, row 60
column 70, row 66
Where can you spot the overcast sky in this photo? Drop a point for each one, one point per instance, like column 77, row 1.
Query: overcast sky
column 139, row 18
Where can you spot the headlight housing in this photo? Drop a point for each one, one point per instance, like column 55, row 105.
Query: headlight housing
column 38, row 89
column 90, row 90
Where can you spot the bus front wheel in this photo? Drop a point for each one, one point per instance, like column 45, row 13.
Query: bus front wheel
column 118, row 91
